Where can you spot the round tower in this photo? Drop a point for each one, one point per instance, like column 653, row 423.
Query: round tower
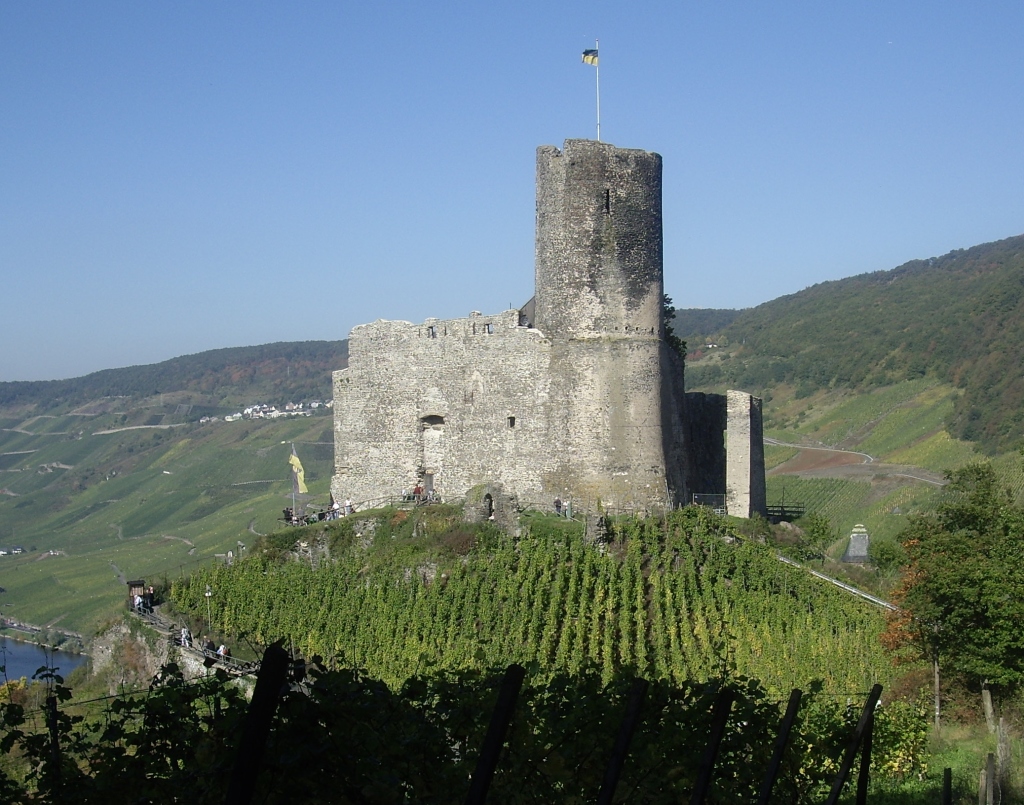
column 599, row 292
column 599, row 241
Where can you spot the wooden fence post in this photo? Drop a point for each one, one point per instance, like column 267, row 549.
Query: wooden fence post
column 851, row 750
column 495, row 737
column 256, row 728
column 707, row 764
column 785, row 727
column 947, row 786
column 864, row 775
column 51, row 723
column 1003, row 756
column 990, row 779
column 986, row 702
column 622, row 742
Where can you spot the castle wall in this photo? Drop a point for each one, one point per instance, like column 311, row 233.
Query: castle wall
column 745, row 486
column 673, row 426
column 706, row 423
column 462, row 401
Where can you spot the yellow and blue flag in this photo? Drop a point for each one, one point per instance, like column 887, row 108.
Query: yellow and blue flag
column 590, row 57
column 298, row 474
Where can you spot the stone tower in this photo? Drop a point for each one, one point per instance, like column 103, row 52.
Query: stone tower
column 574, row 396
column 599, row 292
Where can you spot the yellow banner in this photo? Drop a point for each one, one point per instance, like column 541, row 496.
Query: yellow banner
column 300, row 474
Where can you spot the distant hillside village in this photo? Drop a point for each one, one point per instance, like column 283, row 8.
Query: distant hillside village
column 262, row 411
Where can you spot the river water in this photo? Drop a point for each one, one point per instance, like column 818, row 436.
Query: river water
column 24, row 659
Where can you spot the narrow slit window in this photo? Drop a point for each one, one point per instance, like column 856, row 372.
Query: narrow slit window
column 511, row 421
column 607, row 201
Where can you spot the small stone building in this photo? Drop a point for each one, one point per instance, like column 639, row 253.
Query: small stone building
column 858, row 549
column 576, row 395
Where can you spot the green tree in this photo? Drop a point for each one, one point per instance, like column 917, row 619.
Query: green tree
column 668, row 315
column 961, row 590
column 819, row 534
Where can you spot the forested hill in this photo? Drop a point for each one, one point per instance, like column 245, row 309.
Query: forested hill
column 696, row 325
column 959, row 317
column 299, row 370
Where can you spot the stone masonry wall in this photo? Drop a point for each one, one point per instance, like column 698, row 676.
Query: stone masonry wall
column 598, row 299
column 463, row 400
column 745, row 486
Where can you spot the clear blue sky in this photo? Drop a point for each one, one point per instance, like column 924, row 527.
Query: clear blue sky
column 176, row 177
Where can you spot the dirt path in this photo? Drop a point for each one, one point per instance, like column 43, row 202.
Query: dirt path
column 854, row 457
column 138, row 427
column 828, row 462
column 180, row 539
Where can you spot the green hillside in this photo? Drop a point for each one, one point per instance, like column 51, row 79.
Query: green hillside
column 902, row 428
column 134, row 473
column 698, row 326
column 957, row 319
column 398, row 592
column 296, row 371
column 94, row 502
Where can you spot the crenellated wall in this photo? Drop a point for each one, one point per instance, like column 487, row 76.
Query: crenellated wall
column 463, row 401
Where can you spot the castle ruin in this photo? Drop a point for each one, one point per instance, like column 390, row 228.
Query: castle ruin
column 577, row 395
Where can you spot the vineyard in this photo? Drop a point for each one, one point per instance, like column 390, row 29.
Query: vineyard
column 678, row 600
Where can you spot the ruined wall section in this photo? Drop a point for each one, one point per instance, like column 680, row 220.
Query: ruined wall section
column 745, row 485
column 598, row 299
column 462, row 401
column 706, row 422
column 673, row 426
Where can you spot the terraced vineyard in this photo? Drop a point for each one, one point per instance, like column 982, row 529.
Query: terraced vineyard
column 902, row 427
column 676, row 602
column 883, row 510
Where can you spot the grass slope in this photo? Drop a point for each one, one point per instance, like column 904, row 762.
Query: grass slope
column 957, row 319
column 94, row 504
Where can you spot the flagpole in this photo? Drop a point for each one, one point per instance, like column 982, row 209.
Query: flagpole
column 597, row 72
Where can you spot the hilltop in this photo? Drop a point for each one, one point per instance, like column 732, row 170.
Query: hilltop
column 122, row 473
column 957, row 319
column 679, row 597
column 217, row 378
